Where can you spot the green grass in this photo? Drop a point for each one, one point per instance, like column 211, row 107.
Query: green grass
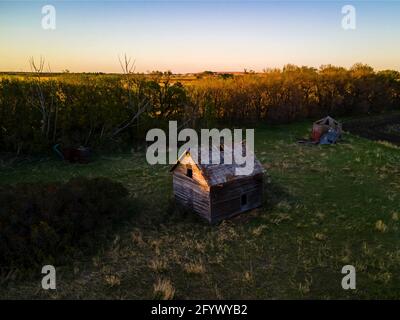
column 322, row 211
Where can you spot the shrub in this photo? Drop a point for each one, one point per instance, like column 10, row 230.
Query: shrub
column 52, row 223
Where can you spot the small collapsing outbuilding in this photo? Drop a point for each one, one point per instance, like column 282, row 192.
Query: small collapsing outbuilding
column 214, row 191
column 326, row 131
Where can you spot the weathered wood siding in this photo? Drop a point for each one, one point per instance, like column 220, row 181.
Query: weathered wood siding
column 225, row 200
column 193, row 193
column 211, row 200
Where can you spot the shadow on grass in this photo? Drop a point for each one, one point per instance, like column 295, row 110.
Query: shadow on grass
column 274, row 194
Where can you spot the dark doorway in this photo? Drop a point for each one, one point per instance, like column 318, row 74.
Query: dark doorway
column 243, row 200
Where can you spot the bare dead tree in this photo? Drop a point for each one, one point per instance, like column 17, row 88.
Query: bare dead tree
column 138, row 104
column 128, row 68
column 37, row 70
column 52, row 109
column 45, row 106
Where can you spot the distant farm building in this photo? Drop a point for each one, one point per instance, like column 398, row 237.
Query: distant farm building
column 213, row 190
column 323, row 126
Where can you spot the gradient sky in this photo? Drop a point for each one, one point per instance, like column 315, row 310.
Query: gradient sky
column 192, row 36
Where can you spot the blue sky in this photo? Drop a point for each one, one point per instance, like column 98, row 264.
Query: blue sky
column 191, row 36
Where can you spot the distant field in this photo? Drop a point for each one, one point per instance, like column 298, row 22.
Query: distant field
column 326, row 207
column 68, row 77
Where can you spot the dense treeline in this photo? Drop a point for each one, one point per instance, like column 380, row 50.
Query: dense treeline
column 299, row 92
column 39, row 110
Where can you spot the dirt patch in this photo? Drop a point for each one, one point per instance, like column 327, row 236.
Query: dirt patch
column 383, row 128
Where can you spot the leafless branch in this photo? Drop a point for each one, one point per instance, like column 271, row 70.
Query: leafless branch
column 126, row 124
column 127, row 66
column 138, row 105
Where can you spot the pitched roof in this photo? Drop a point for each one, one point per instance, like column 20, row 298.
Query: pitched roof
column 220, row 173
column 328, row 121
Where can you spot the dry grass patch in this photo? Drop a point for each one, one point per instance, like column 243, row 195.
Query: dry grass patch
column 248, row 276
column 112, row 280
column 194, row 267
column 163, row 290
column 380, row 226
column 158, row 264
column 257, row 231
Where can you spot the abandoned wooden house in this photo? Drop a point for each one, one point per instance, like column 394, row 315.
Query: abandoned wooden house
column 213, row 190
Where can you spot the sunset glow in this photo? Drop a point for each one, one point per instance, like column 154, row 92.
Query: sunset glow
column 193, row 36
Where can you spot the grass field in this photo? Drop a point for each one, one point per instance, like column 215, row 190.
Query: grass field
column 325, row 207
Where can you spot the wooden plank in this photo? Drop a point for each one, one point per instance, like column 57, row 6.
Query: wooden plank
column 192, row 195
column 226, row 199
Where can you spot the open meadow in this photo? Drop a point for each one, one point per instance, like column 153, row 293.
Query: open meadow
column 325, row 207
